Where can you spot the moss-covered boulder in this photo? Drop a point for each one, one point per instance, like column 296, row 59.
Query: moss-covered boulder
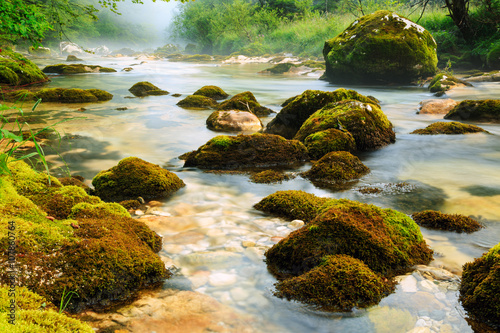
column 367, row 124
column 39, row 51
column 452, row 127
column 197, row 102
column 213, row 92
column 281, row 68
column 338, row 283
column 16, row 70
column 247, row 151
column 487, row 110
column 245, row 101
column 443, row 82
column 269, row 177
column 76, row 181
column 451, row 222
column 335, row 168
column 321, row 143
column 60, row 95
column 76, row 69
column 380, row 48
column 480, row 288
column 233, row 121
column 71, row 57
column 288, row 121
column 144, row 88
column 133, row 178
column 387, row 241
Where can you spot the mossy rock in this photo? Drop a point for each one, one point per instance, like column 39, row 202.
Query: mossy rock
column 453, row 127
column 16, row 70
column 387, row 241
column 60, row 95
column 269, row 177
column 443, row 82
column 59, row 202
column 233, row 121
column 144, row 88
column 133, row 178
column 367, row 124
column 321, row 143
column 487, row 110
column 339, row 283
column 247, row 151
column 451, row 222
column 166, row 50
column 71, row 57
column 493, row 57
column 197, row 102
column 190, row 58
column 130, row 204
column 213, row 92
column 380, row 48
column 480, row 288
column 335, row 168
column 76, row 69
column 245, row 101
column 289, row 120
column 39, row 51
column 279, row 68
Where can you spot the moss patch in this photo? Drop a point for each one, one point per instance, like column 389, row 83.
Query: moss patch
column 480, row 288
column 293, row 115
column 379, row 48
column 197, row 102
column 476, row 110
column 444, row 82
column 213, row 92
column 76, row 69
column 453, row 127
column 245, row 101
column 452, row 222
column 279, row 68
column 247, row 151
column 144, row 88
column 59, row 95
column 269, row 177
column 321, row 143
column 17, row 70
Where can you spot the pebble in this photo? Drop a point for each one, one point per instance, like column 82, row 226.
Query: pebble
column 222, row 279
column 295, row 224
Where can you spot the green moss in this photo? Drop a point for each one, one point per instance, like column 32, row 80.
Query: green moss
column 247, row 151
column 452, row 222
column 321, row 143
column 76, row 69
column 280, row 68
column 480, row 288
column 269, row 177
column 443, row 82
column 39, row 51
column 338, row 283
column 71, row 57
column 476, row 110
column 213, row 92
column 59, row 202
column 96, row 209
column 245, row 101
column 60, row 95
column 144, row 88
column 77, row 96
column 15, row 69
column 130, row 204
column 293, row 115
column 379, row 48
column 133, row 178
column 452, row 127
column 76, row 181
column 197, row 101
column 367, row 124
column 101, row 94
column 336, row 167
column 314, row 64
column 34, row 321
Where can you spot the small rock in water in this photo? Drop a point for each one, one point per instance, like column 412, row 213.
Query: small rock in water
column 409, row 284
column 295, row 224
column 248, row 244
column 222, row 279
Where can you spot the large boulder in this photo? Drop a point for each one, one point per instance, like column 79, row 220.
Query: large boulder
column 380, row 48
column 288, row 121
column 144, row 88
column 245, row 101
column 367, row 124
column 76, row 69
column 476, row 110
column 452, row 127
column 247, row 151
column 16, row 70
column 234, row 121
column 133, row 178
column 480, row 289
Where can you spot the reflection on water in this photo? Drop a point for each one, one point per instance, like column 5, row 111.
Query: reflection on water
column 215, row 236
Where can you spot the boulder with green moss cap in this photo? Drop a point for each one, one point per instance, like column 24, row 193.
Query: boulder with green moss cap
column 16, row 70
column 367, row 124
column 380, row 48
column 134, row 177
column 144, row 88
column 234, row 121
column 76, row 69
column 452, row 222
column 213, row 92
column 487, row 110
column 321, row 143
column 289, row 120
column 443, row 82
column 247, row 151
column 452, row 127
column 245, row 101
column 197, row 102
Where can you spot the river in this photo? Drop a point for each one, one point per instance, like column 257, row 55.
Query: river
column 454, row 174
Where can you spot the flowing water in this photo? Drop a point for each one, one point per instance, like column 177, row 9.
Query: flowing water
column 208, row 225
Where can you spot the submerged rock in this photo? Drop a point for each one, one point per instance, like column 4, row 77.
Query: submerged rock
column 245, row 101
column 288, row 121
column 16, row 70
column 213, row 92
column 452, row 127
column 76, row 69
column 476, row 110
column 480, row 288
column 233, row 120
column 197, row 102
column 382, row 47
column 144, row 88
column 60, row 95
column 247, row 151
column 133, row 178
column 452, row 222
column 436, row 106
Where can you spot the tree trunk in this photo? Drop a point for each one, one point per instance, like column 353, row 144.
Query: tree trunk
column 459, row 12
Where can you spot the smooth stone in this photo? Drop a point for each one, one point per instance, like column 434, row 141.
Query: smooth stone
column 437, row 106
column 239, row 294
column 409, row 284
column 222, row 279
column 295, row 224
column 248, row 244
column 234, row 120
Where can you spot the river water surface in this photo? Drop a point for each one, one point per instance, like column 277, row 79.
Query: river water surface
column 214, row 214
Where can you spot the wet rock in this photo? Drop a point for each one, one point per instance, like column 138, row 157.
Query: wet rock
column 197, row 102
column 408, row 284
column 476, row 110
column 295, row 224
column 436, row 106
column 212, row 92
column 380, row 48
column 269, row 177
column 233, row 120
column 144, row 88
column 16, row 70
column 76, row 69
column 245, row 101
column 451, row 222
column 452, row 127
column 321, row 143
column 443, row 82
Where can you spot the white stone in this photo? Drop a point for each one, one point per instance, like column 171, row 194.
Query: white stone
column 295, row 224
column 222, row 279
column 409, row 284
